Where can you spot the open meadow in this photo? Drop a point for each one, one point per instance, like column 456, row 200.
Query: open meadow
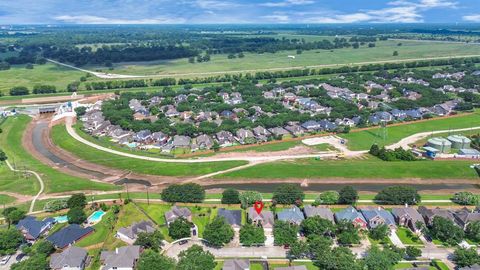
column 252, row 61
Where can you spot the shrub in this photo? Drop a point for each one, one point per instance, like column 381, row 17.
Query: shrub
column 398, row 195
column 465, row 198
column 189, row 193
column 19, row 91
column 230, row 196
column 288, row 194
column 327, row 197
column 56, row 205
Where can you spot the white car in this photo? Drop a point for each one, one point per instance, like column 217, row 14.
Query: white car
column 5, row 259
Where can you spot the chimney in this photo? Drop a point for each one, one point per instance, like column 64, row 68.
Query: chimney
column 406, row 205
column 116, row 250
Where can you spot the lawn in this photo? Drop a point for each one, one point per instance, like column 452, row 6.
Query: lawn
column 55, row 181
column 220, row 62
column 17, row 182
column 5, row 199
column 309, row 265
column 407, row 237
column 362, row 140
column 50, row 74
column 357, row 168
column 61, row 138
column 102, row 230
column 405, row 265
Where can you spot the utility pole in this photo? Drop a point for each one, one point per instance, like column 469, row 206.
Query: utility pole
column 128, row 194
column 148, row 197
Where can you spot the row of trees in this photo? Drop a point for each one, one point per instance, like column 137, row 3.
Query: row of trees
column 392, row 155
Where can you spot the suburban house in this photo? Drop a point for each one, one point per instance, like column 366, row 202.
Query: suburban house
column 245, row 136
column 430, row 214
column 236, row 264
column 279, row 132
column 129, row 234
column 69, row 235
column 204, row 142
column 376, row 216
column 72, row 258
column 264, row 219
column 32, row 228
column 232, row 217
column 261, row 133
column 408, row 217
column 225, row 138
column 311, row 125
column 177, row 212
column 351, row 214
column 323, row 212
column 124, row 258
column 291, row 215
column 464, row 216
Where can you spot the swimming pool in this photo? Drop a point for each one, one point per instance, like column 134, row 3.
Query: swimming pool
column 61, row 219
column 96, row 216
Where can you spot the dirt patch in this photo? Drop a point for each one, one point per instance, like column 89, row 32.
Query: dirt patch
column 296, row 150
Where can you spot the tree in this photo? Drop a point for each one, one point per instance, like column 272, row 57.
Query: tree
column 248, row 198
column 288, row 194
column 195, row 258
column 10, row 240
column 76, row 215
column 80, row 111
column 347, row 233
column 380, row 232
column 395, row 53
column 36, row 262
column 43, row 247
column 151, row 260
column 338, row 258
column 19, row 91
column 151, row 241
column 465, row 198
column 374, row 150
column 180, row 228
column 252, row 235
column 3, row 156
column 77, row 200
column 284, row 233
column 13, row 215
column 377, row 259
column 218, row 232
column 472, row 231
column 327, row 197
column 298, row 250
column 230, row 196
column 348, row 195
column 464, row 257
column 189, row 193
column 317, row 226
column 413, row 252
column 398, row 195
column 445, row 230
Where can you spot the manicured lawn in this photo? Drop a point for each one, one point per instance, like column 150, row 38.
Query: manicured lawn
column 404, row 265
column 357, row 168
column 41, row 74
column 386, row 240
column 62, row 139
column 156, row 211
column 102, row 230
column 201, row 217
column 55, row 181
column 407, row 237
column 5, row 199
column 362, row 140
column 17, row 182
column 251, row 61
column 309, row 265
column 440, row 265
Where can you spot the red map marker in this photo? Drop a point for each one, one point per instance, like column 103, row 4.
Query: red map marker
column 258, row 206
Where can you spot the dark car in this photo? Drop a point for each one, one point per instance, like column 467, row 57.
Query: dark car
column 183, row 242
column 20, row 257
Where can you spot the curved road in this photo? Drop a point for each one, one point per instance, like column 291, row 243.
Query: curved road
column 42, row 186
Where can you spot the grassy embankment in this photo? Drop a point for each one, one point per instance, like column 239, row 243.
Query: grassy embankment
column 55, row 181
column 62, row 139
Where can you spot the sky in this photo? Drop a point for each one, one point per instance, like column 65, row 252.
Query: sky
column 237, row 11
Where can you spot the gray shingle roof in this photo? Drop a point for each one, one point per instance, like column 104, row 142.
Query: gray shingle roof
column 73, row 257
column 33, row 226
column 233, row 217
column 293, row 214
column 133, row 230
column 323, row 212
column 123, row 257
column 236, row 264
column 350, row 214
column 177, row 212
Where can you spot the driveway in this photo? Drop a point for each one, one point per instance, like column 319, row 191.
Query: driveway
column 395, row 239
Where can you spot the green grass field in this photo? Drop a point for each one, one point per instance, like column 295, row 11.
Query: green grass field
column 17, row 182
column 50, row 74
column 382, row 52
column 5, row 199
column 62, row 139
column 362, row 140
column 55, row 181
column 359, row 168
column 407, row 237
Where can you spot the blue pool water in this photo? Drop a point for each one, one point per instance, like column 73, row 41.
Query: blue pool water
column 96, row 216
column 61, row 219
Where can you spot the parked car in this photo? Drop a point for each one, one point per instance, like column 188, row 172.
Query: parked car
column 5, row 259
column 20, row 257
column 183, row 242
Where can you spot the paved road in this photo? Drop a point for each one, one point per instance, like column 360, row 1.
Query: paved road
column 42, row 186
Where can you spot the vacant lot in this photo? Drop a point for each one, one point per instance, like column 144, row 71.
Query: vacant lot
column 11, row 143
column 370, row 168
column 382, row 52
column 62, row 139
column 364, row 139
column 41, row 74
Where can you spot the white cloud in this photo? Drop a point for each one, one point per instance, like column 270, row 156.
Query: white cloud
column 287, row 3
column 472, row 18
column 277, row 18
column 215, row 4
column 88, row 19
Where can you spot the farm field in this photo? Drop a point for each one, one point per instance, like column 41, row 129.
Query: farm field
column 50, row 74
column 358, row 168
column 11, row 143
column 362, row 140
column 62, row 139
column 220, row 63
